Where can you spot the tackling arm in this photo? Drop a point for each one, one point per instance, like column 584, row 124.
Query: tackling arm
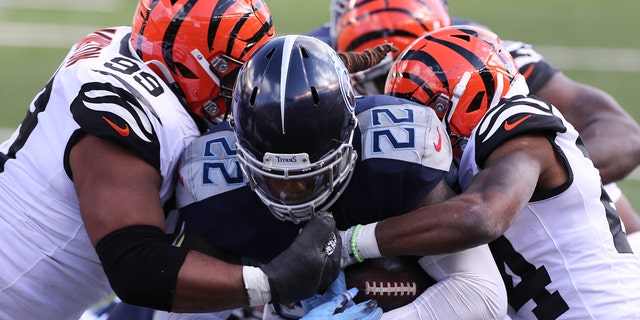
column 117, row 190
column 124, row 218
column 484, row 211
column 610, row 134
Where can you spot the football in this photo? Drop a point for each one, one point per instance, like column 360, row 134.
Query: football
column 391, row 281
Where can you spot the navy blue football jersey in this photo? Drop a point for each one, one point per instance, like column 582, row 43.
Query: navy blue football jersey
column 403, row 153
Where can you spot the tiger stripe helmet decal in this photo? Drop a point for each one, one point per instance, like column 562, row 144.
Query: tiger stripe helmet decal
column 200, row 45
column 459, row 71
column 368, row 23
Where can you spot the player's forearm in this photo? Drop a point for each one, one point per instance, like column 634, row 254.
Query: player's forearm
column 610, row 134
column 483, row 212
column 459, row 223
column 614, row 157
column 207, row 284
column 437, row 229
column 307, row 266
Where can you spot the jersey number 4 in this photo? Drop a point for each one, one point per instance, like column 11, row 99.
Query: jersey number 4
column 532, row 285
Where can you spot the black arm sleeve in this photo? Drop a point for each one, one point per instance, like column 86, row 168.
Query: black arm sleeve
column 142, row 265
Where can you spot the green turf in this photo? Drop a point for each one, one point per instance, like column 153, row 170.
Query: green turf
column 583, row 23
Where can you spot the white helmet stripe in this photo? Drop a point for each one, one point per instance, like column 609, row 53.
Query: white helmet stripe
column 284, row 72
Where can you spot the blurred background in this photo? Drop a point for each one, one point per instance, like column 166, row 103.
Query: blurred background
column 595, row 42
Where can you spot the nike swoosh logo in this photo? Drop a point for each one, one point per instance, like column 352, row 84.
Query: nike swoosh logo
column 438, row 145
column 122, row 131
column 509, row 126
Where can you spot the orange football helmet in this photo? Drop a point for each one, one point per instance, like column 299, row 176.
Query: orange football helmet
column 368, row 23
column 365, row 24
column 459, row 71
column 200, row 45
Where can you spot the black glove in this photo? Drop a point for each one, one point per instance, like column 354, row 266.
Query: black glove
column 309, row 265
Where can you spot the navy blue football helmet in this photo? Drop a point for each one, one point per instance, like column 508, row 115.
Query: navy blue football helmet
column 293, row 114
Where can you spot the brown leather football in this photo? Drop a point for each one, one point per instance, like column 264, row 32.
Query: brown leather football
column 391, row 281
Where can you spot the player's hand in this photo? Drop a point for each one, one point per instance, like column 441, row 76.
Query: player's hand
column 338, row 309
column 309, row 265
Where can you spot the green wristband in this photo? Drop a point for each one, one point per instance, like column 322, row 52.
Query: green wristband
column 354, row 248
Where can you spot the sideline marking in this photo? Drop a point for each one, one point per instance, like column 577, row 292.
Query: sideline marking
column 591, row 58
column 29, row 35
column 16, row 34
column 70, row 5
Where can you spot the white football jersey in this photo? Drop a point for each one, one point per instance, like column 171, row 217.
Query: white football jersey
column 49, row 267
column 565, row 256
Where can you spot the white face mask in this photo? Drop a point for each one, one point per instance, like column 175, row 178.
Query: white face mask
column 295, row 189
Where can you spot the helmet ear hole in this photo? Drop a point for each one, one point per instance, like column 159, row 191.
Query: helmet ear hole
column 440, row 103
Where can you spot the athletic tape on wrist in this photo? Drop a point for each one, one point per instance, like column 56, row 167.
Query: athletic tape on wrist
column 257, row 285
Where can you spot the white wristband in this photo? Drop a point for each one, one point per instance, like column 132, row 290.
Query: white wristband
column 257, row 285
column 366, row 242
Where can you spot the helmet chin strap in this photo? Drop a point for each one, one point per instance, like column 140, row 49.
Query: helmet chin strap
column 205, row 65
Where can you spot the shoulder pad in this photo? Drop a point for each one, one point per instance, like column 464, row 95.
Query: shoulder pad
column 513, row 117
column 400, row 130
column 114, row 114
column 531, row 64
column 209, row 166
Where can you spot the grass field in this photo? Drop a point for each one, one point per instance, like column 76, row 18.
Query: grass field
column 37, row 34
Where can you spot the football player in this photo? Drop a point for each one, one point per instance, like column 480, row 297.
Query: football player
column 529, row 187
column 600, row 120
column 84, row 178
column 300, row 143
